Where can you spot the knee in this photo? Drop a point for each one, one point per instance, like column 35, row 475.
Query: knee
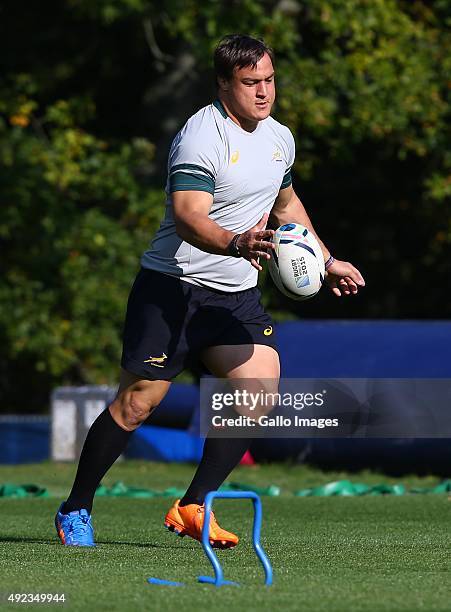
column 263, row 409
column 132, row 408
column 138, row 407
column 267, row 397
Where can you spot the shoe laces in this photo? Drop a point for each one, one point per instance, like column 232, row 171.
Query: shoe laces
column 201, row 510
column 79, row 525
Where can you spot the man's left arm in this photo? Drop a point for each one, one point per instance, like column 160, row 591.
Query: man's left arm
column 341, row 276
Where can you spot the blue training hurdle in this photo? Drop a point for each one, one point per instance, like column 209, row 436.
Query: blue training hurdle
column 218, row 580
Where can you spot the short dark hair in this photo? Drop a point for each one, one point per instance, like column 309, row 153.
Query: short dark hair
column 238, row 51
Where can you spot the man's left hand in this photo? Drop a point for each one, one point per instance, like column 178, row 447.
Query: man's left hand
column 343, row 278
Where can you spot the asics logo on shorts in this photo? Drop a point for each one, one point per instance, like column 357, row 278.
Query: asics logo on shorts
column 268, row 330
column 158, row 362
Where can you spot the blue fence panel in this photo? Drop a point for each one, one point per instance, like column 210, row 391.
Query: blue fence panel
column 373, row 349
column 24, row 440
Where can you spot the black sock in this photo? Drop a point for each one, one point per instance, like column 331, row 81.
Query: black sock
column 219, row 458
column 105, row 441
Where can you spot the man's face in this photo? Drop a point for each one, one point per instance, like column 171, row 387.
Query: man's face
column 251, row 91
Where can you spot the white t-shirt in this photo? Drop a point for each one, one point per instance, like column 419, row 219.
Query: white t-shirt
column 244, row 172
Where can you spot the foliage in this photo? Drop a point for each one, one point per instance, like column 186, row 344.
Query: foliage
column 75, row 216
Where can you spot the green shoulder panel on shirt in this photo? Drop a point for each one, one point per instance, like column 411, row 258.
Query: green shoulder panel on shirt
column 191, row 177
column 287, row 180
column 218, row 104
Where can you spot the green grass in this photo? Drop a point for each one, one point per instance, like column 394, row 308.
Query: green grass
column 332, row 554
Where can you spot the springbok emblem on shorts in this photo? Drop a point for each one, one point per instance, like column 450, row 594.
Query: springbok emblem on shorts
column 158, row 362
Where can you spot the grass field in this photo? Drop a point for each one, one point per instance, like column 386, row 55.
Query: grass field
column 329, row 554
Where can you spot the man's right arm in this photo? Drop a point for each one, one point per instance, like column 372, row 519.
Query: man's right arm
column 192, row 223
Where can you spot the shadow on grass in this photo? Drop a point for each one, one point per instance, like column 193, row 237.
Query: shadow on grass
column 54, row 541
column 17, row 539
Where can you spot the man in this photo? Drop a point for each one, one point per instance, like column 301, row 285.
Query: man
column 229, row 171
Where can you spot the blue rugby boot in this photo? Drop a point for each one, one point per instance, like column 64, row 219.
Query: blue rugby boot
column 74, row 529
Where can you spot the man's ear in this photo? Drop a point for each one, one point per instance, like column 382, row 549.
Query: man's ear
column 223, row 84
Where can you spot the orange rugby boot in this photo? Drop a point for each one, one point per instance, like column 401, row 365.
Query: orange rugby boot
column 188, row 520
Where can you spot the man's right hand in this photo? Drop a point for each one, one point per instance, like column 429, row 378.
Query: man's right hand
column 254, row 244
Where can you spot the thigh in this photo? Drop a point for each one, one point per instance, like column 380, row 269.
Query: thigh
column 242, row 361
column 246, row 346
column 248, row 369
column 239, row 320
column 154, row 346
column 153, row 389
column 244, row 353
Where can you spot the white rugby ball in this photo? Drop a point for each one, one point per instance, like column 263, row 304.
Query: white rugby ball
column 297, row 263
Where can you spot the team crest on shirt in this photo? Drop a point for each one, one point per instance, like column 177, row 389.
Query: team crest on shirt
column 235, row 157
column 158, row 362
column 277, row 155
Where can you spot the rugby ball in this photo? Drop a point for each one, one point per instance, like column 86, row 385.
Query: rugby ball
column 297, row 263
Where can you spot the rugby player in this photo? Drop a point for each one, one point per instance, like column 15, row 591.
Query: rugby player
column 195, row 297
